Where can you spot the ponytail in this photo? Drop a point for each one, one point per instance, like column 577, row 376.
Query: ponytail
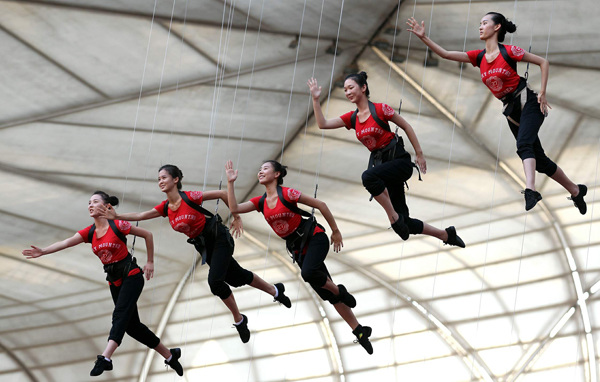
column 505, row 25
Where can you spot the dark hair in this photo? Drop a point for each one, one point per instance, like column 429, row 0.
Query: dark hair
column 505, row 25
column 278, row 167
column 112, row 200
column 174, row 171
column 360, row 79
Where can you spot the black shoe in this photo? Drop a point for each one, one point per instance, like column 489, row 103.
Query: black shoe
column 345, row 297
column 362, row 334
column 242, row 329
column 453, row 238
column 578, row 200
column 531, row 198
column 101, row 365
column 401, row 228
column 281, row 297
column 174, row 362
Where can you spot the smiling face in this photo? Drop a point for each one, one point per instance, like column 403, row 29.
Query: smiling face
column 166, row 182
column 95, row 201
column 487, row 27
column 353, row 91
column 267, row 174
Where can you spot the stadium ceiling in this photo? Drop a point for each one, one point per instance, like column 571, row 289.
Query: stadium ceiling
column 98, row 95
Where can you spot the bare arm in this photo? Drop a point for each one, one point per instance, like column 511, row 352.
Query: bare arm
column 419, row 31
column 147, row 235
column 315, row 91
column 544, row 68
column 336, row 235
column 414, row 141
column 236, row 225
column 35, row 252
column 111, row 213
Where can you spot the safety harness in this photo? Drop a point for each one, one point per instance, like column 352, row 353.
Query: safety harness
column 519, row 94
column 212, row 220
column 297, row 241
column 120, row 269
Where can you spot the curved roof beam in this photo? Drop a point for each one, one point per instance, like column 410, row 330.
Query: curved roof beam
column 334, row 351
column 581, row 300
column 16, row 360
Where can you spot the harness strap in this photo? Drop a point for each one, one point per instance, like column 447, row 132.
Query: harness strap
column 384, row 125
column 187, row 201
column 113, row 227
column 504, row 54
column 288, row 205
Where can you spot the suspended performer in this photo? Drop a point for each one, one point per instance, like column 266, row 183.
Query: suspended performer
column 524, row 109
column 305, row 238
column 125, row 279
column 210, row 237
column 390, row 165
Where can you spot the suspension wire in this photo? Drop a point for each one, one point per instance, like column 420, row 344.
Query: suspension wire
column 287, row 118
column 219, row 75
column 177, row 94
column 337, row 38
column 392, row 350
column 298, row 281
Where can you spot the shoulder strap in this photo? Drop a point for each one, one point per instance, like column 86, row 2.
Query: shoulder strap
column 289, row 205
column 195, row 206
column 480, row 57
column 353, row 120
column 91, row 233
column 382, row 124
column 166, row 209
column 261, row 203
column 116, row 231
column 506, row 57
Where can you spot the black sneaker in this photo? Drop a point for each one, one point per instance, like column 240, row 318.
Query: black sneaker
column 401, row 228
column 174, row 362
column 531, row 198
column 578, row 200
column 362, row 334
column 242, row 329
column 281, row 297
column 101, row 365
column 345, row 297
column 453, row 238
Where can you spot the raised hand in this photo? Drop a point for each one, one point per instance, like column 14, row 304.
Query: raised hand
column 231, row 173
column 32, row 253
column 418, row 30
column 315, row 89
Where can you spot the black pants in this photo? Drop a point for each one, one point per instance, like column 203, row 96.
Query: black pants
column 530, row 120
column 223, row 267
column 313, row 269
column 125, row 317
column 392, row 175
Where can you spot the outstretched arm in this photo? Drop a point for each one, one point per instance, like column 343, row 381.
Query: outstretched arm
column 544, row 68
column 315, row 91
column 110, row 213
column 147, row 235
column 336, row 235
column 419, row 31
column 414, row 141
column 35, row 252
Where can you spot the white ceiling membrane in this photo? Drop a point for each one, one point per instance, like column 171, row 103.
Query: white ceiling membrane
column 99, row 95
